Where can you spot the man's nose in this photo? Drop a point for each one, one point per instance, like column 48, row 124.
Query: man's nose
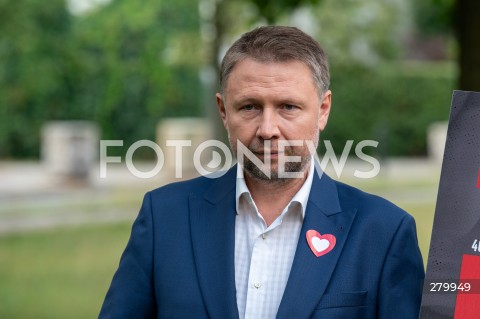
column 268, row 126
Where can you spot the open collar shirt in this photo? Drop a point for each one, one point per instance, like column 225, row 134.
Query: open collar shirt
column 264, row 255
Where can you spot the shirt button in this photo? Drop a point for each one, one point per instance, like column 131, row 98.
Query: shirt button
column 257, row 284
column 264, row 236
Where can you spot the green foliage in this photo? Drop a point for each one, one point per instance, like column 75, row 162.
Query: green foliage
column 393, row 104
column 139, row 65
column 366, row 33
column 124, row 65
column 273, row 9
column 434, row 16
column 375, row 95
column 35, row 83
column 129, row 63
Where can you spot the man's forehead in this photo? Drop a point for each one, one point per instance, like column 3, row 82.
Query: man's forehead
column 252, row 67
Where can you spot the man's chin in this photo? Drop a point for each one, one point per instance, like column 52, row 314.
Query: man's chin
column 284, row 176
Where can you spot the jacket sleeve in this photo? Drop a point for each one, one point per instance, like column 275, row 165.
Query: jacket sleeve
column 401, row 284
column 131, row 293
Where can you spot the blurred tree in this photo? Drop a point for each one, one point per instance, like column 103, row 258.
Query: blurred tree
column 124, row 64
column 130, row 62
column 467, row 26
column 376, row 93
column 35, row 82
column 139, row 62
column 463, row 18
column 434, row 16
column 361, row 33
column 272, row 10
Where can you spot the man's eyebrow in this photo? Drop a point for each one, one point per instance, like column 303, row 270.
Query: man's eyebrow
column 246, row 99
column 280, row 100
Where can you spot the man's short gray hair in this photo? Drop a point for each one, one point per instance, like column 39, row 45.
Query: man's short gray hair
column 278, row 44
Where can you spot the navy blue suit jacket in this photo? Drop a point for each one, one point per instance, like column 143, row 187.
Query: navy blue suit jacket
column 179, row 261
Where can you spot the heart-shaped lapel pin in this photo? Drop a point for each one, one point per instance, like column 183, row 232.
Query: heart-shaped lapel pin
column 320, row 244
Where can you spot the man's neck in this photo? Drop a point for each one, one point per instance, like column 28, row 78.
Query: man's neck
column 271, row 198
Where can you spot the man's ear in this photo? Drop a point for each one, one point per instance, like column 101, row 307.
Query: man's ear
column 221, row 109
column 325, row 105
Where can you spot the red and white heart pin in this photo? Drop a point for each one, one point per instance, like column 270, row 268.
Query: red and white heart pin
column 320, row 244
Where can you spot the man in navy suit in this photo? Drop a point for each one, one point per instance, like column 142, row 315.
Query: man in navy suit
column 274, row 237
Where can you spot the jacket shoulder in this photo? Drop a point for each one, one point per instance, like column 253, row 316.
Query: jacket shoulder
column 370, row 205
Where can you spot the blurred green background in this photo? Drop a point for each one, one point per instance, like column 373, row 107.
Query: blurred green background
column 121, row 63
column 127, row 64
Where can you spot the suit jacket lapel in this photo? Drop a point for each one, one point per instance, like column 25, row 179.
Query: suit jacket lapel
column 310, row 275
column 212, row 222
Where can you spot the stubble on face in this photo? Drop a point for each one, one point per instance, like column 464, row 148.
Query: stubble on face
column 252, row 170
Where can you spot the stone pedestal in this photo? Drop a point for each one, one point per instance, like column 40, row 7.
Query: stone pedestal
column 436, row 137
column 70, row 148
column 192, row 131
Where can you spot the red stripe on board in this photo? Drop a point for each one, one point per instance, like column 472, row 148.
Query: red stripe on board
column 468, row 305
column 478, row 180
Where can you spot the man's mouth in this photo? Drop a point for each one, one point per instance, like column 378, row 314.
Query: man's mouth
column 265, row 153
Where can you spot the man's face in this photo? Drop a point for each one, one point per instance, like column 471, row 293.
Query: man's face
column 270, row 102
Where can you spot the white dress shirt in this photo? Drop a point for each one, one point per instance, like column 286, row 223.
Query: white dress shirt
column 264, row 255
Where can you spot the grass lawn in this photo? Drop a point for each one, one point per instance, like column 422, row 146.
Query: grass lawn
column 61, row 273
column 423, row 214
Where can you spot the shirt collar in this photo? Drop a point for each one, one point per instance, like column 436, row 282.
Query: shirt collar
column 300, row 197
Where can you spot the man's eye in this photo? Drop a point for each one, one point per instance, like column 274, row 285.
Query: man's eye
column 248, row 107
column 289, row 107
